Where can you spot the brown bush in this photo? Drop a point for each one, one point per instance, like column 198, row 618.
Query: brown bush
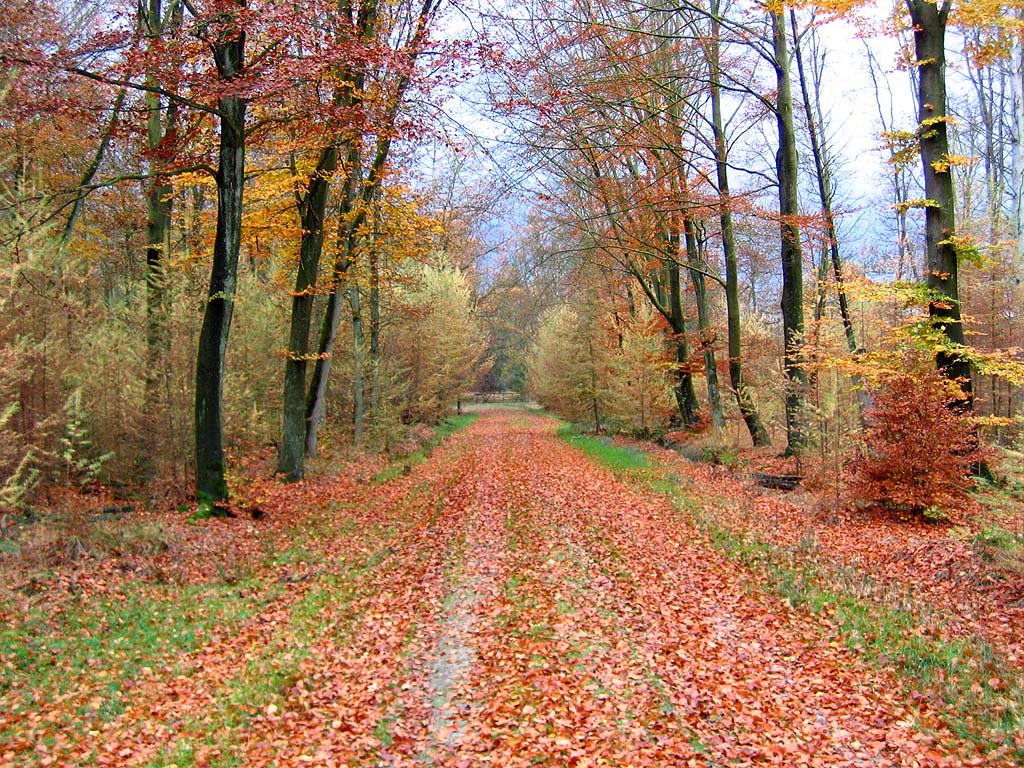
column 919, row 450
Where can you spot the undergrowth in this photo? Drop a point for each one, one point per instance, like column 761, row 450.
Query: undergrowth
column 445, row 428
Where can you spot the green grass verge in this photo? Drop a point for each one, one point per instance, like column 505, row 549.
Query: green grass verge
column 442, row 430
column 276, row 666
column 86, row 660
column 604, row 451
column 983, row 696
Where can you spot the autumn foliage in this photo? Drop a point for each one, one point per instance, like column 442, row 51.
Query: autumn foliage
column 919, row 451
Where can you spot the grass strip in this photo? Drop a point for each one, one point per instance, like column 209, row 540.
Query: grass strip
column 84, row 663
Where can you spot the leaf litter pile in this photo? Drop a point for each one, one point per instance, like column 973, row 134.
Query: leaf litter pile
column 504, row 602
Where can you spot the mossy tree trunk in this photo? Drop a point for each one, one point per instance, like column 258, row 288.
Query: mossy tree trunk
column 929, row 20
column 211, row 484
column 787, row 169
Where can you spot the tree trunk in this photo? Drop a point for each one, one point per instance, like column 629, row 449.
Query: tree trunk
column 374, row 336
column 595, row 409
column 686, row 394
column 90, row 171
column 940, row 218
column 1017, row 182
column 358, row 386
column 158, row 235
column 744, row 400
column 358, row 195
column 211, row 485
column 826, row 191
column 312, row 212
column 826, row 196
column 316, row 397
column 694, row 251
column 786, row 166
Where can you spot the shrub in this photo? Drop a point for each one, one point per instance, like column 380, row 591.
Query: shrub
column 919, row 450
column 721, row 455
column 80, row 462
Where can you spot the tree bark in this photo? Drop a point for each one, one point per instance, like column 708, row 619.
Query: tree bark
column 211, row 485
column 940, row 217
column 744, row 400
column 312, row 213
column 358, row 366
column 694, row 258
column 787, row 168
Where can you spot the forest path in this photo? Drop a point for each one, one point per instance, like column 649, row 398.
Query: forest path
column 510, row 603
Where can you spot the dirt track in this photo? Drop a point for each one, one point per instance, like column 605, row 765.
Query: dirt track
column 508, row 603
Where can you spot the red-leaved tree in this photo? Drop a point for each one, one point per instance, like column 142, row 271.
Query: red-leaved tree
column 920, row 449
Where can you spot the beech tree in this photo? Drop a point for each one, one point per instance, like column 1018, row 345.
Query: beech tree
column 930, row 19
column 744, row 400
column 366, row 173
column 354, row 25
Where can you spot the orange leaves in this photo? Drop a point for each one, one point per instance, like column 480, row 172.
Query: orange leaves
column 919, row 449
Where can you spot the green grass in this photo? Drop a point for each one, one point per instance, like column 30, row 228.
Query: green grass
column 277, row 665
column 604, row 451
column 88, row 657
column 996, row 541
column 295, row 554
column 442, row 430
column 984, row 697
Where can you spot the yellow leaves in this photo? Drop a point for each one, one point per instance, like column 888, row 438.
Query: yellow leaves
column 919, row 202
column 1005, row 364
column 968, row 251
column 991, row 28
column 902, row 145
column 948, row 161
column 192, row 179
column 310, row 357
column 926, row 129
column 992, row 422
column 400, row 225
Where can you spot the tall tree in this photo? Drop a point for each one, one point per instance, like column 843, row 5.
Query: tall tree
column 929, row 20
column 227, row 40
column 366, row 175
column 787, row 169
column 744, row 399
column 697, row 267
column 156, row 22
column 825, row 183
column 1017, row 88
column 355, row 25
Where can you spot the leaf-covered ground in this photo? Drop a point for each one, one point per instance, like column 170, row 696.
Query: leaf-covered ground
column 509, row 600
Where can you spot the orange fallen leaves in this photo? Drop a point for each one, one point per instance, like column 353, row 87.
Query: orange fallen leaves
column 507, row 603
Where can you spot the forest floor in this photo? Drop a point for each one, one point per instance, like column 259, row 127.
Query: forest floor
column 517, row 595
